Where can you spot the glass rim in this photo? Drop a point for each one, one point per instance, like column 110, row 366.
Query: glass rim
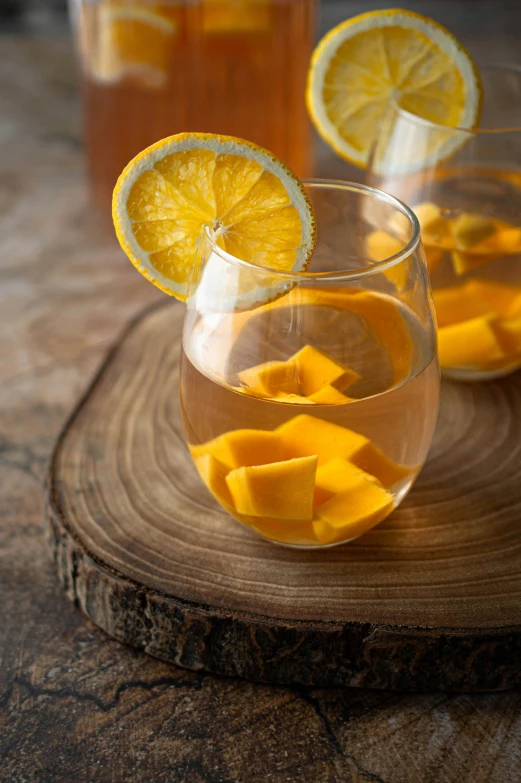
column 346, row 274
column 471, row 132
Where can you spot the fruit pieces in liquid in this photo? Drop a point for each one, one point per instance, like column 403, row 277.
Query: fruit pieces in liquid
column 399, row 420
column 469, row 190
column 223, row 75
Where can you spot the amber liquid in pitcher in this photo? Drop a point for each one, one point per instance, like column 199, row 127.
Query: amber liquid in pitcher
column 151, row 70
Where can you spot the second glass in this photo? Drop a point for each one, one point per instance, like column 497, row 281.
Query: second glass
column 465, row 187
column 310, row 399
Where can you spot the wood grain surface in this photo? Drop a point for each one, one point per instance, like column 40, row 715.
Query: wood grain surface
column 74, row 704
column 431, row 598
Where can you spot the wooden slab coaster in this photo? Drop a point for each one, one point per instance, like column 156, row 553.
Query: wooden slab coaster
column 430, row 599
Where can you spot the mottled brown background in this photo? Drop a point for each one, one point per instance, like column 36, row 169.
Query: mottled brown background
column 75, row 705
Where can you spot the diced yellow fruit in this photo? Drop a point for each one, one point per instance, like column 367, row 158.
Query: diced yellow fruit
column 372, row 460
column 508, row 332
column 280, row 490
column 294, row 399
column 339, row 475
column 380, row 245
column 213, row 473
column 329, row 395
column 466, row 262
column 431, row 220
column 471, row 343
column 316, row 369
column 507, row 240
column 240, row 448
column 433, row 256
column 457, row 304
column 304, row 436
column 469, row 229
column 270, row 379
column 503, row 298
column 351, row 513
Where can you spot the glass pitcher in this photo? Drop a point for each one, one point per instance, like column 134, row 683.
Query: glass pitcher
column 152, row 68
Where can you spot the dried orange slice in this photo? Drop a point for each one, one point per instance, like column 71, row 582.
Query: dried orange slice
column 378, row 57
column 254, row 207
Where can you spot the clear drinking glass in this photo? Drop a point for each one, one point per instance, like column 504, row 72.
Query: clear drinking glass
column 152, row 68
column 465, row 187
column 309, row 399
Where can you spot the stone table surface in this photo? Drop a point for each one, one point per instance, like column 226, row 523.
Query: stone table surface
column 74, row 704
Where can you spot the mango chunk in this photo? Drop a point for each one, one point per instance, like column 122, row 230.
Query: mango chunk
column 466, row 262
column 242, row 447
column 469, row 229
column 476, row 298
column 351, row 513
column 304, row 436
column 280, row 490
column 315, row 370
column 503, row 298
column 271, row 378
column 213, row 474
column 329, row 396
column 507, row 240
column 339, row 475
column 508, row 332
column 380, row 245
column 372, row 460
column 456, row 304
column 470, row 343
column 431, row 220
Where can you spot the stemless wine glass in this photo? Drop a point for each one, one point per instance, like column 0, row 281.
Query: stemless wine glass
column 309, row 399
column 465, row 187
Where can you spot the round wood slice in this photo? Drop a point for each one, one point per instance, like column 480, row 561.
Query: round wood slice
column 430, row 599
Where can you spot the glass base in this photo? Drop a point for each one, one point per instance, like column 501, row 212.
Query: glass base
column 306, row 547
column 478, row 375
